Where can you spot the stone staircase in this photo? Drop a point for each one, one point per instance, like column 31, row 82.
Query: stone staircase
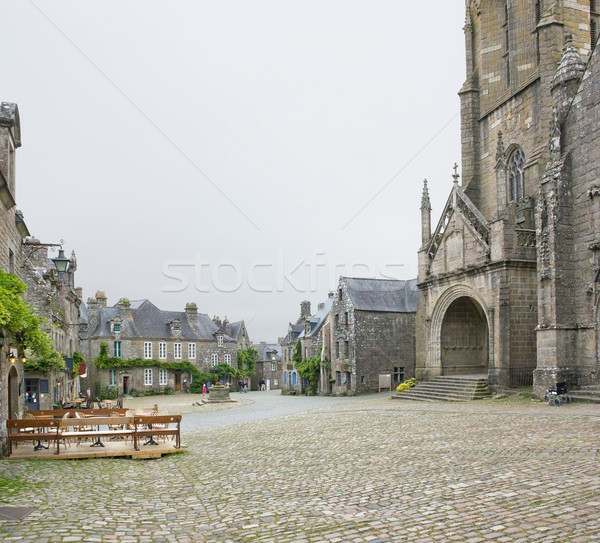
column 451, row 388
column 589, row 394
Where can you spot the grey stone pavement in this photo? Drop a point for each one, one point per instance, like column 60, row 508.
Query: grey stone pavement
column 369, row 469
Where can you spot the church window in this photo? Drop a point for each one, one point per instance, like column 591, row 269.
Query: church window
column 516, row 175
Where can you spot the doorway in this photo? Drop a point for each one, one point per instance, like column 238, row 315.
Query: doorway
column 464, row 338
column 32, row 394
column 126, row 385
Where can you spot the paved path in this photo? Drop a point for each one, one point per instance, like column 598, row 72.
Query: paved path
column 357, row 470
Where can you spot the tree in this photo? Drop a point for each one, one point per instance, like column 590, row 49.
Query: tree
column 310, row 369
column 20, row 320
column 247, row 362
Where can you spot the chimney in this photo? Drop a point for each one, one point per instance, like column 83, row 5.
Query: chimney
column 304, row 309
column 101, row 298
column 331, row 294
column 320, row 306
column 191, row 311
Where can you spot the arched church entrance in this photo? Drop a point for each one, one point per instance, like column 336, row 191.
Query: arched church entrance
column 464, row 338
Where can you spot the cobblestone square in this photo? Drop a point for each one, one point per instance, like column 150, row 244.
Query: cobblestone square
column 365, row 469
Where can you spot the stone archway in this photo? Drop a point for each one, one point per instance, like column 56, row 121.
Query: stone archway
column 464, row 338
column 13, row 393
column 459, row 310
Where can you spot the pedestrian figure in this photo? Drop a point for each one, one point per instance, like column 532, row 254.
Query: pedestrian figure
column 204, row 391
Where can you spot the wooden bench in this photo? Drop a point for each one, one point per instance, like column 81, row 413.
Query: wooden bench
column 157, row 425
column 57, row 429
column 33, row 430
column 116, row 427
column 58, row 413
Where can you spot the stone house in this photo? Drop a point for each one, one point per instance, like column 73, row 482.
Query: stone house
column 269, row 367
column 509, row 276
column 12, row 233
column 138, row 330
column 291, row 380
column 370, row 331
column 57, row 301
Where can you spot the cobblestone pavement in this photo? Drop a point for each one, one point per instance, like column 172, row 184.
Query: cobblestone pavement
column 364, row 470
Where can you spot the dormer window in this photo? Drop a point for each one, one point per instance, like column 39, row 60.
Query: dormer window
column 175, row 326
column 115, row 325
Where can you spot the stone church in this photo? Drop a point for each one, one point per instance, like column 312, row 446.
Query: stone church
column 510, row 275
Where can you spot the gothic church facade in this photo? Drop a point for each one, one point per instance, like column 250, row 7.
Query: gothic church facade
column 509, row 277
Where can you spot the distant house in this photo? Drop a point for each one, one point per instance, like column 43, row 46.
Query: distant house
column 291, row 381
column 57, row 301
column 269, row 367
column 138, row 330
column 370, row 331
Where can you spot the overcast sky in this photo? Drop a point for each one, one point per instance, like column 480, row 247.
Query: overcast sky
column 239, row 154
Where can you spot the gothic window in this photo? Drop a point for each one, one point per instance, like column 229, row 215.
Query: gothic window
column 516, row 175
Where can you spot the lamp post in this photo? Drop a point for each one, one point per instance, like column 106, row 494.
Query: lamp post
column 61, row 262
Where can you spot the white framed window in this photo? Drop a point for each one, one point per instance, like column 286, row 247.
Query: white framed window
column 148, row 375
column 214, row 359
column 177, row 350
column 227, row 359
column 220, row 341
column 163, row 377
column 191, row 350
column 147, row 350
column 162, row 350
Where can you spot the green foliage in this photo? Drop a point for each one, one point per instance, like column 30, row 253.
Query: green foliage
column 104, row 361
column 19, row 319
column 309, row 368
column 222, row 371
column 297, row 355
column 247, row 362
column 77, row 359
column 409, row 383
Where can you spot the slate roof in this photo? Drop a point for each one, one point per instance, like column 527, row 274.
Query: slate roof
column 144, row 320
column 316, row 321
column 236, row 329
column 386, row 295
column 263, row 348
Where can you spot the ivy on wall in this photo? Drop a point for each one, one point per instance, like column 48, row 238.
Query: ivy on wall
column 19, row 319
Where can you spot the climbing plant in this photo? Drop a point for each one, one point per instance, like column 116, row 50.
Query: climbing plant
column 19, row 319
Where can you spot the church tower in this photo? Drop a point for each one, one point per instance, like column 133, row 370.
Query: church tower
column 478, row 270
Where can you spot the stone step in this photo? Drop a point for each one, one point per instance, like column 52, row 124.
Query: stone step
column 447, row 388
